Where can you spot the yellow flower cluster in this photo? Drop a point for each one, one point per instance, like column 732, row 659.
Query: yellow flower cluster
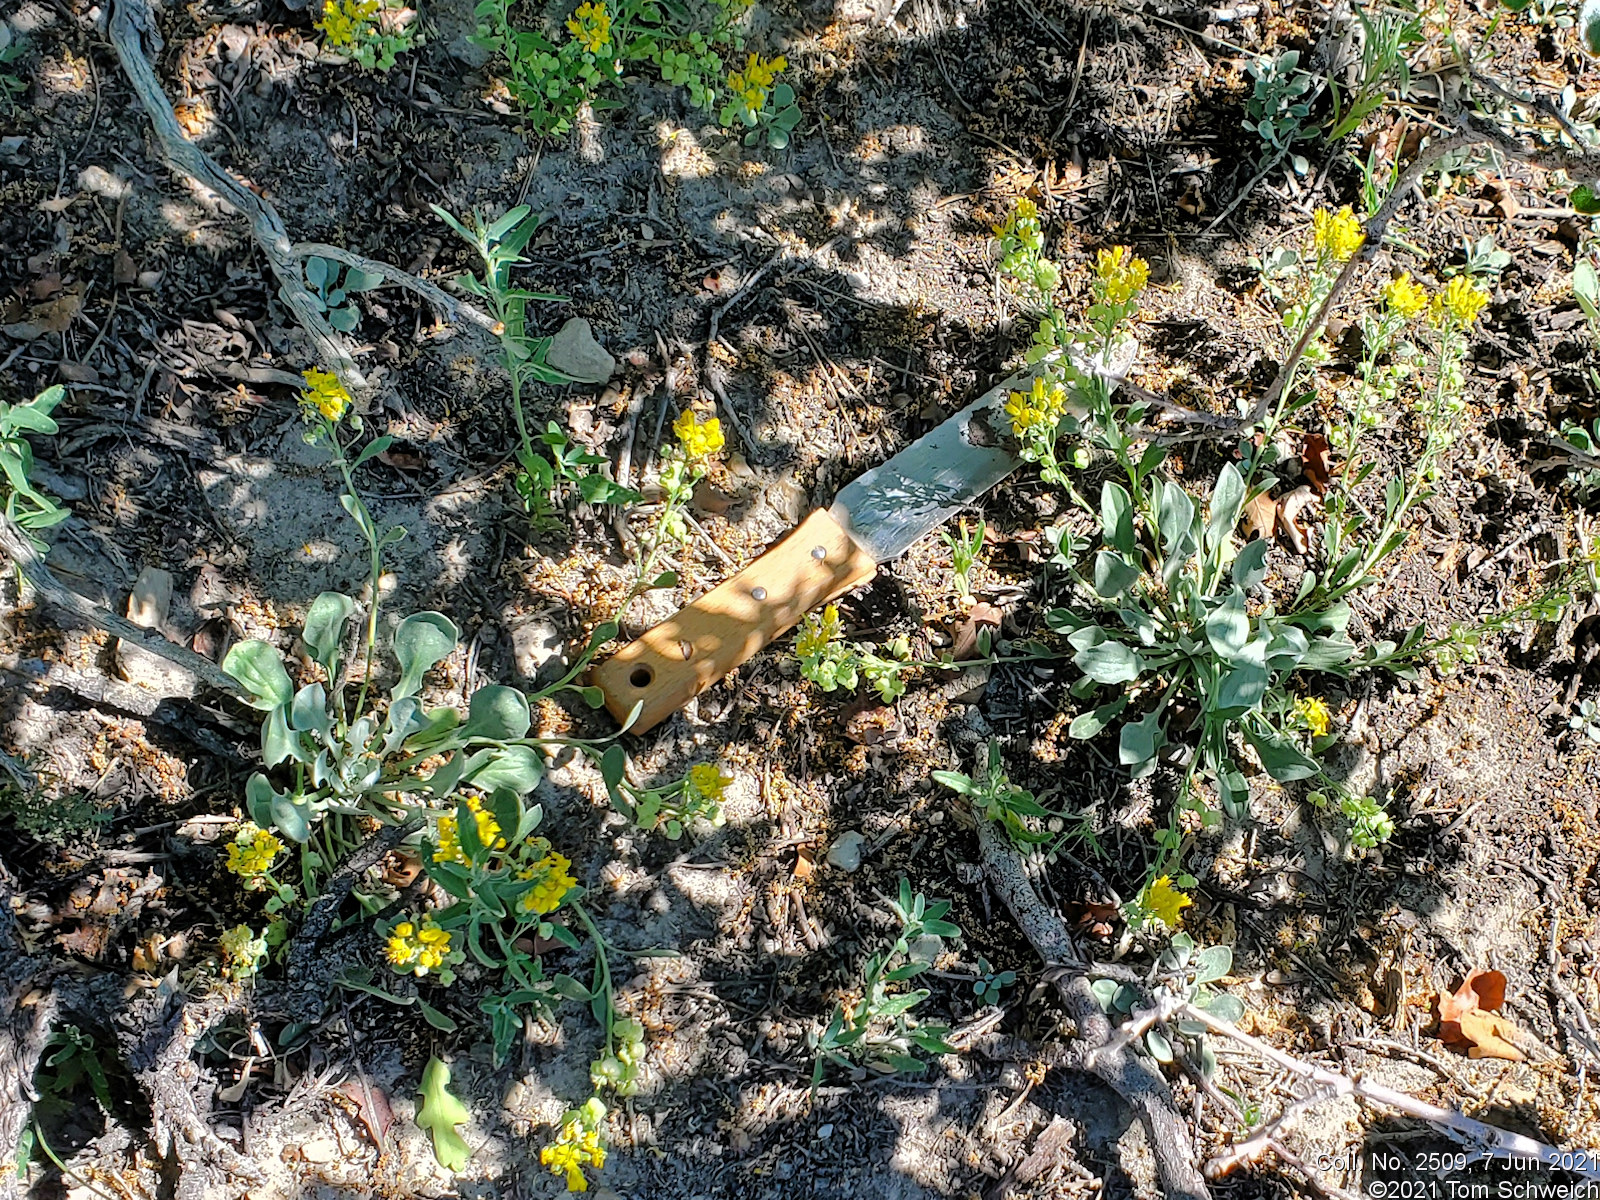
column 251, row 852
column 343, row 21
column 1314, row 715
column 1023, row 219
column 1165, row 902
column 816, row 634
column 241, row 950
column 699, row 439
column 1121, row 273
column 577, row 1146
column 325, row 394
column 450, row 836
column 708, row 781
column 754, row 82
column 590, row 26
column 1038, row 410
column 423, row 948
column 1405, row 297
column 1461, row 299
column 554, row 883
column 1336, row 234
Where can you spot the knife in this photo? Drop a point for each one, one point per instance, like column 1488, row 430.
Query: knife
column 873, row 519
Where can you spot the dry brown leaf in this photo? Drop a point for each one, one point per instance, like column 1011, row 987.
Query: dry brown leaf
column 1314, row 459
column 1260, row 517
column 1289, row 510
column 372, row 1106
column 981, row 615
column 1466, row 1019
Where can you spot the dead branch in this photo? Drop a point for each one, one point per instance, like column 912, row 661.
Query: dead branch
column 14, row 544
column 131, row 23
column 1132, row 1078
column 160, row 1053
column 1490, row 1141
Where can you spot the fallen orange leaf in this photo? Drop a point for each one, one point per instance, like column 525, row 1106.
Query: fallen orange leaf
column 1466, row 1019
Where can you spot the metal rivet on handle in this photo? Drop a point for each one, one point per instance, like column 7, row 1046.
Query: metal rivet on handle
column 759, row 593
column 686, row 649
column 819, row 553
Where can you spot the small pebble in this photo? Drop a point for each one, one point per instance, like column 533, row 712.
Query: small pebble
column 846, row 852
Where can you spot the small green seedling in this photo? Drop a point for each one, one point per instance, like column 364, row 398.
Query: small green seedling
column 332, row 293
column 878, row 1030
column 964, row 547
column 25, row 505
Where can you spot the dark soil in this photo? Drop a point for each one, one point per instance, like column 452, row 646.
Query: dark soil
column 878, row 314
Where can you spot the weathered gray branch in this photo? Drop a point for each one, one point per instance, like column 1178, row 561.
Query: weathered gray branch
column 14, row 544
column 131, row 22
column 1132, row 1078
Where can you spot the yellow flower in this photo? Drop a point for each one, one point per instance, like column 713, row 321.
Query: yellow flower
column 422, row 948
column 1336, row 234
column 343, row 22
column 1461, row 299
column 576, row 1146
column 817, row 632
column 251, row 852
column 325, row 394
column 449, row 836
column 554, row 883
column 1036, row 411
column 708, row 780
column 1120, row 274
column 590, row 26
column 1314, row 715
column 241, row 950
column 700, row 439
column 1165, row 902
column 1405, row 297
column 754, row 82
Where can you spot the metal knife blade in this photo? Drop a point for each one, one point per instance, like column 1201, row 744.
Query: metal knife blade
column 873, row 519
column 889, row 507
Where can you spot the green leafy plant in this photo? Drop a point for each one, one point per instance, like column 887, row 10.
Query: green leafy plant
column 11, row 49
column 690, row 43
column 1586, row 720
column 964, row 547
column 996, row 798
column 830, row 662
column 991, row 984
column 1386, row 37
column 878, row 1027
column 371, row 33
column 544, row 478
column 1279, row 108
column 70, row 1061
column 332, row 287
column 1184, row 973
column 25, row 505
column 547, row 480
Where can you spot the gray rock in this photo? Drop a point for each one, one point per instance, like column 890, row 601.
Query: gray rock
column 540, row 652
column 464, row 50
column 845, row 853
column 573, row 351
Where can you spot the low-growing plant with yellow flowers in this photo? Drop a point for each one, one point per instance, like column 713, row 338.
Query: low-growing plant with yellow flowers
column 830, row 662
column 551, row 77
column 373, row 33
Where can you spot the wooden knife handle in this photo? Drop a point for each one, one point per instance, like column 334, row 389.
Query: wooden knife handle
column 703, row 641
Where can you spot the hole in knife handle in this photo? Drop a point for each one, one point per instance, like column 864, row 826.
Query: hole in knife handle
column 641, row 677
